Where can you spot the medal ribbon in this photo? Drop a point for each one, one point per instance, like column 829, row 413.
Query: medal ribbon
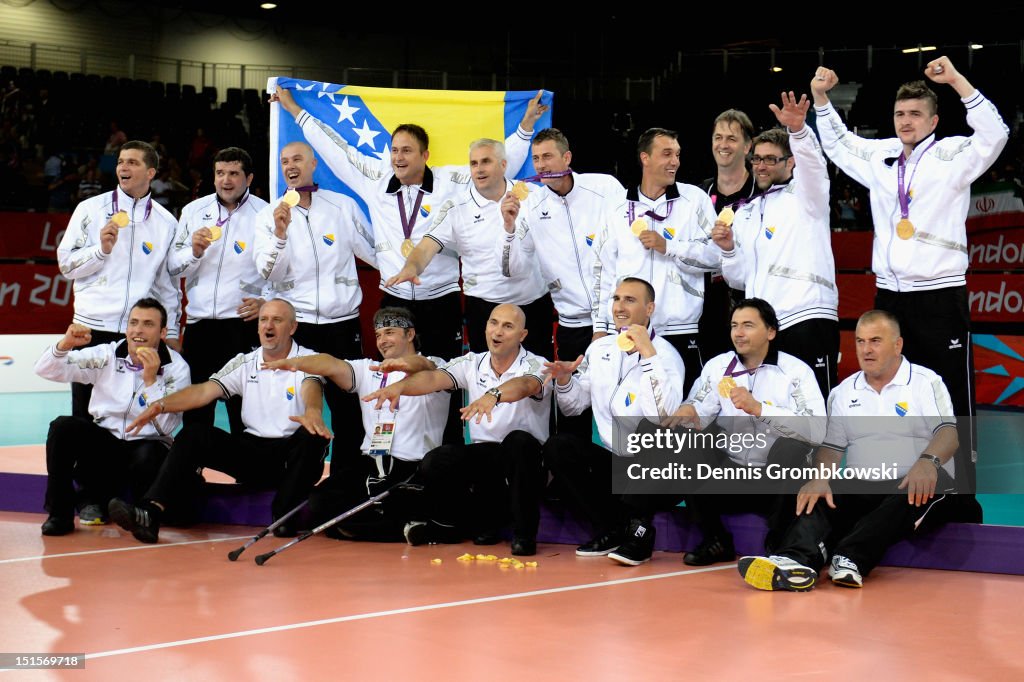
column 904, row 193
column 732, row 365
column 546, row 175
column 222, row 221
column 408, row 225
column 149, row 207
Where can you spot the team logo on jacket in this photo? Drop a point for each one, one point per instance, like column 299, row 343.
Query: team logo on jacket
column 147, row 248
column 290, row 393
column 239, row 247
column 6, row 360
column 329, row 239
column 630, row 399
column 142, row 400
column 668, row 233
column 590, row 239
column 901, row 408
column 424, row 210
column 769, row 232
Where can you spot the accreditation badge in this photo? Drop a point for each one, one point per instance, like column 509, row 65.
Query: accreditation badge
column 382, row 437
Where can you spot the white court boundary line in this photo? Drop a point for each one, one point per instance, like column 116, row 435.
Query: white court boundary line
column 398, row 612
column 121, row 549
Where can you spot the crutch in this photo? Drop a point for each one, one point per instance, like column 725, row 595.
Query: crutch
column 263, row 558
column 235, row 553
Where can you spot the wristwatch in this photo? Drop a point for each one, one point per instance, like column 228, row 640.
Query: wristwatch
column 933, row 459
column 496, row 392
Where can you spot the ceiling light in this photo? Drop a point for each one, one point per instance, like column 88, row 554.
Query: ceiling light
column 911, row 50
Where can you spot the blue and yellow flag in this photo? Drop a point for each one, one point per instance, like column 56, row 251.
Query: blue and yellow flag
column 365, row 117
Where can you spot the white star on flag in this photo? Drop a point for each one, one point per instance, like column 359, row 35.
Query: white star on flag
column 305, row 89
column 345, row 111
column 323, row 93
column 365, row 134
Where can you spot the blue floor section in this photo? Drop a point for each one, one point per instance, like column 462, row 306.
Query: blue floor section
column 24, row 418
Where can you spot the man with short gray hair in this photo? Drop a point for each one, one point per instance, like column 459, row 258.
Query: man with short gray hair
column 903, row 473
column 472, row 225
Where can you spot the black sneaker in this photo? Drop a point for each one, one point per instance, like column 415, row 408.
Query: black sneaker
column 142, row 521
column 601, row 545
column 91, row 515
column 58, row 525
column 524, row 547
column 712, row 551
column 638, row 546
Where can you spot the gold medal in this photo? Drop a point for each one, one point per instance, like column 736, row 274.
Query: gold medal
column 291, row 197
column 638, row 226
column 120, row 219
column 521, row 190
column 407, row 248
column 905, row 229
column 725, row 386
column 624, row 342
column 727, row 215
column 215, row 233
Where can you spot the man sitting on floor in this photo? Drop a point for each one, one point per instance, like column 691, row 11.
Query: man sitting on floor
column 100, row 453
column 395, row 442
column 472, row 489
column 272, row 451
column 911, row 452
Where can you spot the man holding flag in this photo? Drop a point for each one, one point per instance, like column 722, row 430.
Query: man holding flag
column 399, row 193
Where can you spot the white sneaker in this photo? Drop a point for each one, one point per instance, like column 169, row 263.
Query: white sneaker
column 844, row 572
column 776, row 573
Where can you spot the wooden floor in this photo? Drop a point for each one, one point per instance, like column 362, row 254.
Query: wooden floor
column 326, row 609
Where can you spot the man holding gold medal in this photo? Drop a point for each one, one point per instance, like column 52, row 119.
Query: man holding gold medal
column 558, row 226
column 306, row 245
column 115, row 251
column 472, row 226
column 778, row 247
column 920, row 196
column 627, row 376
column 213, row 252
column 753, row 389
column 662, row 234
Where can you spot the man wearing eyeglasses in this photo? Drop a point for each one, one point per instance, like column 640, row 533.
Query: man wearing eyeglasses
column 779, row 246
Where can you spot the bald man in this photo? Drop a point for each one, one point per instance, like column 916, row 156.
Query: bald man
column 306, row 252
column 472, row 489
